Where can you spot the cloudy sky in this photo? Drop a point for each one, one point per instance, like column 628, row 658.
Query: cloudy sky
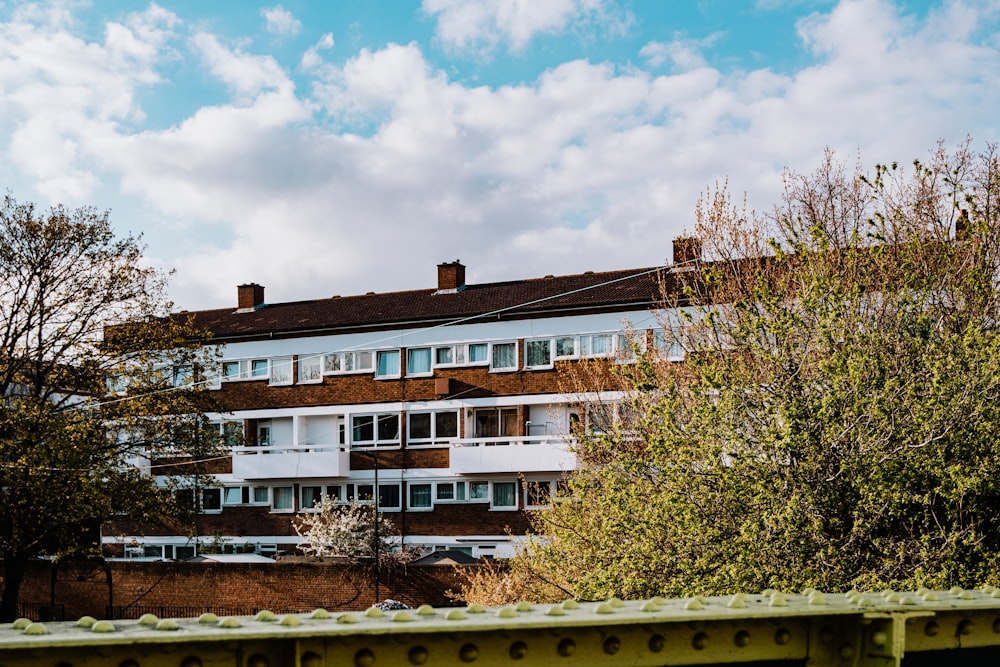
column 339, row 147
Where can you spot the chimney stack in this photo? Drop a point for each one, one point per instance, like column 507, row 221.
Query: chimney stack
column 451, row 276
column 250, row 297
column 687, row 250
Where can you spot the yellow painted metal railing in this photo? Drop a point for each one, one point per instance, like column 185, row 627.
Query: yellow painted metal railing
column 960, row 627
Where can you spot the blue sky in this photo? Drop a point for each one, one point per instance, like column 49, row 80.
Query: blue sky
column 340, row 147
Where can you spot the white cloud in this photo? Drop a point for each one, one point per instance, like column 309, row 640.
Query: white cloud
column 481, row 25
column 280, row 21
column 311, row 59
column 385, row 167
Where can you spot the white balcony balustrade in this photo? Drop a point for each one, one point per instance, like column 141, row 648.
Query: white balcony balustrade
column 291, row 461
column 513, row 454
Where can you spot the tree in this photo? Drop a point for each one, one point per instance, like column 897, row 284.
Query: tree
column 834, row 424
column 335, row 529
column 82, row 411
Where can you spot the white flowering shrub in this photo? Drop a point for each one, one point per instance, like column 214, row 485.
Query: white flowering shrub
column 337, row 529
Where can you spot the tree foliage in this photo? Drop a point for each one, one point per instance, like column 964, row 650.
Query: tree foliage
column 834, row 424
column 71, row 453
column 336, row 529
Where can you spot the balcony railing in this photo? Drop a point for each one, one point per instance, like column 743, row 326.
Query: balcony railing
column 511, row 454
column 291, row 461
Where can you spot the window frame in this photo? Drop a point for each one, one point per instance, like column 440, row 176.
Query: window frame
column 493, row 496
column 431, row 351
column 303, row 364
column 350, row 362
column 379, row 354
column 274, row 509
column 376, row 442
column 492, row 356
column 434, row 439
column 286, row 362
column 538, row 342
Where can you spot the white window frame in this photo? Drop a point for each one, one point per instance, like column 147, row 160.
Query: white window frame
column 375, row 442
column 478, row 484
column 668, row 351
column 572, row 355
column 353, row 490
column 434, row 438
column 399, row 364
column 309, row 369
column 254, row 364
column 458, row 496
column 350, row 362
column 504, row 508
column 431, row 489
column 273, row 369
column 431, row 351
column 274, row 498
column 504, row 369
column 587, row 341
column 541, row 342
column 528, row 483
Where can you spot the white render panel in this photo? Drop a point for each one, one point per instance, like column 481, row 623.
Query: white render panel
column 550, row 456
column 290, row 463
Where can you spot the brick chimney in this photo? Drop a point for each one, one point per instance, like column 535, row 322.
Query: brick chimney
column 687, row 250
column 249, row 297
column 451, row 276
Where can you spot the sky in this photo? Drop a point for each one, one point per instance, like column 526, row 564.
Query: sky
column 337, row 147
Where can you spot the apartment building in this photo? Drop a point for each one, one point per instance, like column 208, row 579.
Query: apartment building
column 448, row 405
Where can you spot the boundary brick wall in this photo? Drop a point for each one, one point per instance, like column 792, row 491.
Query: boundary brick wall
column 188, row 589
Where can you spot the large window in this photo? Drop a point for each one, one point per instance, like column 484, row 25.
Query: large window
column 479, row 490
column 282, row 499
column 348, row 362
column 596, row 345
column 504, row 495
column 668, row 345
column 461, row 354
column 281, row 371
column 495, row 422
column 420, row 496
column 537, row 493
column 538, row 353
column 246, row 495
column 388, row 495
column 376, row 430
column 310, row 368
column 387, row 364
column 418, row 361
column 431, row 428
column 503, row 357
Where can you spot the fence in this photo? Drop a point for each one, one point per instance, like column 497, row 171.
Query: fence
column 857, row 630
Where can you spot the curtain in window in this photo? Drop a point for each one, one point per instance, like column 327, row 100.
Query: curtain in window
column 388, row 363
column 281, row 370
column 478, row 352
column 283, row 497
column 537, row 353
column 418, row 361
column 504, row 494
column 505, row 356
column 420, row 495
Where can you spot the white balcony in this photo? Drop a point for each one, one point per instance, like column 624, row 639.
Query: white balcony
column 512, row 454
column 291, row 461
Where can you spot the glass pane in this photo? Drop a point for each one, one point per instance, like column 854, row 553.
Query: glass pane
column 388, row 363
column 420, row 426
column 446, row 424
column 363, row 361
column 311, row 496
column 365, row 491
column 333, row 492
column 460, row 491
column 234, row 495
column 538, row 493
column 388, row 495
column 363, row 428
column 508, row 421
column 230, row 370
column 565, row 346
column 281, row 370
column 445, row 491
column 309, row 368
column 333, row 363
column 479, row 490
column 537, row 353
column 258, row 368
column 418, row 361
column 459, row 354
column 478, row 352
column 505, row 355
column 260, row 494
column 420, row 495
column 487, row 423
column 211, row 499
column 600, row 345
column 444, row 356
column 504, row 494
column 388, row 428
column 283, row 499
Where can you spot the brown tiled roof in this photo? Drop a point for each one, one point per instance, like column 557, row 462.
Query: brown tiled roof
column 519, row 299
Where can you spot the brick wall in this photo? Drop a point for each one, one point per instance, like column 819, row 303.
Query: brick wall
column 285, row 586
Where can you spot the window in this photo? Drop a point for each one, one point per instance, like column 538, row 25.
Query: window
column 211, row 500
column 282, row 499
column 505, row 495
column 388, row 494
column 565, row 347
column 310, row 368
column 479, row 490
column 347, row 362
column 461, row 354
column 263, row 433
column 537, row 494
column 450, row 491
column 311, row 497
column 245, row 495
column 387, row 364
column 478, row 353
column 628, row 345
column 595, row 345
column 418, row 361
column 538, row 353
column 668, row 345
column 281, row 371
column 504, row 357
column 426, row 428
column 420, row 496
column 183, row 376
column 495, row 422
column 260, row 495
column 210, row 377
column 258, row 368
column 379, row 430
column 232, row 433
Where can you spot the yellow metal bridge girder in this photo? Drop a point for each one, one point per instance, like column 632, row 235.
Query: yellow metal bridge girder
column 810, row 628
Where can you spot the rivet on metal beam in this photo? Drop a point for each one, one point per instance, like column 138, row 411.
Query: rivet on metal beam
column 290, row 621
column 103, row 626
column 208, row 618
column 21, row 623
column 932, row 629
column 566, row 648
column 454, row 615
column 230, row 622
column 846, row 651
column 555, row 610
column 612, row 645
column 518, row 650
column 265, row 616
column 657, row 643
column 965, row 627
column 374, row 612
column 879, row 638
column 320, row 614
column 148, row 620
column 648, row 606
column 310, row 659
column 570, row 605
column 742, row 638
column 191, row 661
column 476, row 609
column 86, row 622
column 468, row 653
column 364, row 658
column 36, row 629
column 699, row 641
column 738, row 601
column 418, row 655
column 425, row 610
column 523, row 606
column 779, row 600
column 782, row 636
column 506, row 612
column 694, row 605
column 817, row 599
column 167, row 625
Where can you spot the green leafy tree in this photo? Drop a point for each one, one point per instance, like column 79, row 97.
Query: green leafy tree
column 835, row 422
column 88, row 402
